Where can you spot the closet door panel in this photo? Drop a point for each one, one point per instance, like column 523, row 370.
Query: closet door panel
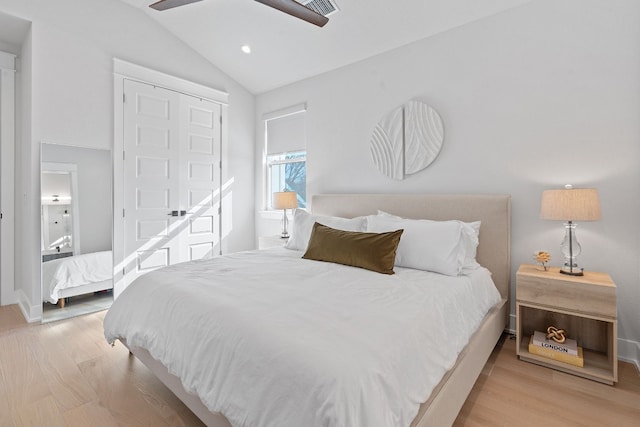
column 151, row 169
column 200, row 183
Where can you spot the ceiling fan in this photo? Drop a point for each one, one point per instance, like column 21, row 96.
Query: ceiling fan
column 290, row 7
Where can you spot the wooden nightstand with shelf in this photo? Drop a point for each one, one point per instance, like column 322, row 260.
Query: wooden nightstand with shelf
column 585, row 306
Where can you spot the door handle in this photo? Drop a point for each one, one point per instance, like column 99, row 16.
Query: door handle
column 183, row 213
column 173, row 213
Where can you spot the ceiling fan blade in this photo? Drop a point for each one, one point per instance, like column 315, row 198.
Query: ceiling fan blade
column 170, row 4
column 296, row 9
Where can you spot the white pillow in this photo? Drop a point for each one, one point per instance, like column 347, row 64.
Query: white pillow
column 303, row 223
column 428, row 245
column 470, row 233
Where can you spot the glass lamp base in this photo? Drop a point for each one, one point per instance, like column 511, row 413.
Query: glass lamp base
column 285, row 225
column 571, row 249
column 572, row 272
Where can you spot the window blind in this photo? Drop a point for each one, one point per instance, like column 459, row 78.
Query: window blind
column 286, row 133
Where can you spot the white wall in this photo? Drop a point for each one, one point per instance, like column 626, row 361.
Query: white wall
column 70, row 100
column 7, row 173
column 24, row 266
column 532, row 98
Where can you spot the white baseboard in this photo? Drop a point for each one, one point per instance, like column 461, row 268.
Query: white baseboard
column 31, row 313
column 512, row 324
column 629, row 351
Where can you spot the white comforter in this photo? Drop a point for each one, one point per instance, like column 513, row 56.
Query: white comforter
column 73, row 271
column 269, row 339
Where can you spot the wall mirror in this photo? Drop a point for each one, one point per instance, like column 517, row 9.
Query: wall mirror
column 76, row 230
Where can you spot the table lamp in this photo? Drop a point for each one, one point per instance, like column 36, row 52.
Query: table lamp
column 285, row 200
column 570, row 204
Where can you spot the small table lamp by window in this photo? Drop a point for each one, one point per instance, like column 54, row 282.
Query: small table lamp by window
column 570, row 204
column 285, row 200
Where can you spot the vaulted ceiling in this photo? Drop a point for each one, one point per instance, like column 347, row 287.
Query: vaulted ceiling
column 285, row 49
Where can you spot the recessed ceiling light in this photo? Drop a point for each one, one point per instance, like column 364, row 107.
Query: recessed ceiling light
column 246, row 48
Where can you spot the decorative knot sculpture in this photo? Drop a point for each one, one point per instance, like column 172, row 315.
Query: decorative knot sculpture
column 542, row 257
column 558, row 335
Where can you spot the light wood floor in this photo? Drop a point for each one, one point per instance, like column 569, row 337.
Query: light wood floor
column 65, row 374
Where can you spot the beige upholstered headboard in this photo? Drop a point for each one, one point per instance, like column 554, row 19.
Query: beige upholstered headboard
column 493, row 210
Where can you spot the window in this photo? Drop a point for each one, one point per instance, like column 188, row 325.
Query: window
column 286, row 155
column 288, row 172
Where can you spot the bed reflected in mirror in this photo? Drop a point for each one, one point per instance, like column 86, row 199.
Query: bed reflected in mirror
column 76, row 230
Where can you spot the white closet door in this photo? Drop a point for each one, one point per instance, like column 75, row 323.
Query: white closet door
column 200, row 177
column 172, row 145
column 151, row 178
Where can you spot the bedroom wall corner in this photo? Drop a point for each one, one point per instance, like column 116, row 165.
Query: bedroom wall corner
column 7, row 203
column 24, row 263
column 629, row 351
column 525, row 108
column 67, row 97
column 32, row 313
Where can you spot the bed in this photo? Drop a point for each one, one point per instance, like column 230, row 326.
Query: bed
column 439, row 406
column 67, row 277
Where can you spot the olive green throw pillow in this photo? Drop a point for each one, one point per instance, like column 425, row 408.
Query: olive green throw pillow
column 373, row 251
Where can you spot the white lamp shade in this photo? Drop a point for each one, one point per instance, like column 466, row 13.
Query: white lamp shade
column 285, row 200
column 570, row 204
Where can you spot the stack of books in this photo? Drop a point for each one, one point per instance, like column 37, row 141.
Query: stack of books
column 567, row 352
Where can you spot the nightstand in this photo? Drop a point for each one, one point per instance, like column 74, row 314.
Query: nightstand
column 266, row 242
column 585, row 306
